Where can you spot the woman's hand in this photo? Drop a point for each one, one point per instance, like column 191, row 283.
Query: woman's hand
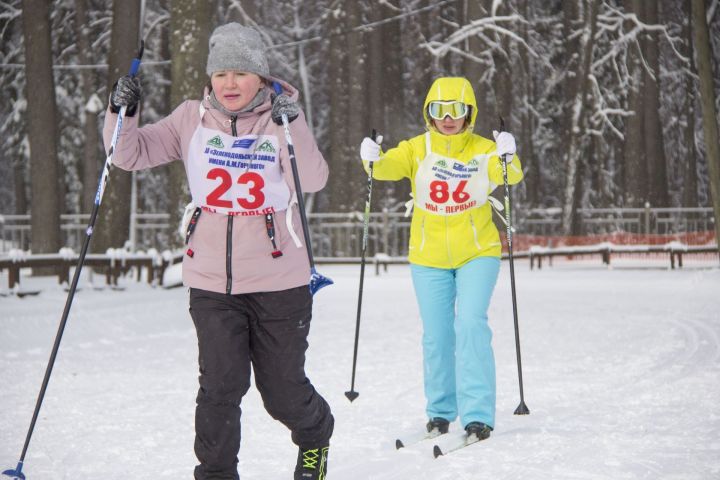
column 370, row 149
column 282, row 104
column 127, row 92
column 504, row 143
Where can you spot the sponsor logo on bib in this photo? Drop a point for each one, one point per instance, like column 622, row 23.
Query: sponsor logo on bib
column 266, row 146
column 243, row 143
column 216, row 141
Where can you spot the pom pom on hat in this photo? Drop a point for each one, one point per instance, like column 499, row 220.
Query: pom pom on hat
column 236, row 47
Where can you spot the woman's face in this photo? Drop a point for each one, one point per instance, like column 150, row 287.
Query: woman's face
column 235, row 90
column 449, row 126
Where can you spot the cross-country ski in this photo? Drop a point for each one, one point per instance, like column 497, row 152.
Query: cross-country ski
column 454, row 444
column 410, row 439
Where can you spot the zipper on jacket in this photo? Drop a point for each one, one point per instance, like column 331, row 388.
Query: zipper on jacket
column 228, row 255
column 228, row 247
column 422, row 236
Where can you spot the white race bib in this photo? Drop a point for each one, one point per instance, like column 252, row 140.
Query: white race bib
column 236, row 175
column 445, row 186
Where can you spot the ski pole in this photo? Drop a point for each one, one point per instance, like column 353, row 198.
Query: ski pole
column 317, row 281
column 522, row 409
column 17, row 473
column 352, row 394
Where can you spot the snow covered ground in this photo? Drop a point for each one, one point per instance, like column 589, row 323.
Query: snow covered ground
column 621, row 370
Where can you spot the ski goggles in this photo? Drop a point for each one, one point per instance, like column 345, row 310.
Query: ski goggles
column 439, row 110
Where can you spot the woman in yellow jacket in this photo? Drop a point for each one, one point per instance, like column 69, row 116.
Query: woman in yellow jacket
column 454, row 249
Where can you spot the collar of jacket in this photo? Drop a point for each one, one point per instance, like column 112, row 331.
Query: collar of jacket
column 449, row 145
column 260, row 108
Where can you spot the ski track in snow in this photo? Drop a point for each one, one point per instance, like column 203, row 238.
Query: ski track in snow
column 621, row 372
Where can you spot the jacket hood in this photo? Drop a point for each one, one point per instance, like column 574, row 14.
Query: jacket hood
column 451, row 89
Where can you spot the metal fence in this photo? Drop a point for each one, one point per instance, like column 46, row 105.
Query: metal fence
column 151, row 231
column 339, row 235
column 603, row 221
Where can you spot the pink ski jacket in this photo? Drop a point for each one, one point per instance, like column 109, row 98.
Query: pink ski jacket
column 231, row 254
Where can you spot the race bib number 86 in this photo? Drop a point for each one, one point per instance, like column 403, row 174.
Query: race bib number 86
column 448, row 187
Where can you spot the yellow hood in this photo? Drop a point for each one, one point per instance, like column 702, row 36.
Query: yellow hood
column 448, row 89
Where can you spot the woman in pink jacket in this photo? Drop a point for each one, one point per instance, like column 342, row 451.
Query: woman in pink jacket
column 245, row 264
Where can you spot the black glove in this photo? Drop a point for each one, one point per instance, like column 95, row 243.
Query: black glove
column 282, row 104
column 126, row 92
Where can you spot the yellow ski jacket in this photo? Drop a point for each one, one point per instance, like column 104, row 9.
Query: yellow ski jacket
column 449, row 241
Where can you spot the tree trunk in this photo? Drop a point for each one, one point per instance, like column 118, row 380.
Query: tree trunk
column 502, row 84
column 190, row 28
column 485, row 121
column 113, row 224
column 21, row 202
column 703, row 49
column 689, row 161
column 381, row 83
column 384, row 93
column 654, row 143
column 527, row 124
column 42, row 128
column 92, row 154
column 574, row 155
column 635, row 174
column 571, row 49
column 336, row 193
column 357, row 113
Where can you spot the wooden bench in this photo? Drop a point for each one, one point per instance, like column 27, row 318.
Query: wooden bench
column 113, row 265
column 606, row 250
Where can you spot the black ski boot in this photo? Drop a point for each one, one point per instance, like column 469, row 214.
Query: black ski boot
column 478, row 430
column 311, row 463
column 438, row 426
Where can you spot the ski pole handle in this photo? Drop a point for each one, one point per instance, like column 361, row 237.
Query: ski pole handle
column 278, row 91
column 504, row 157
column 135, row 65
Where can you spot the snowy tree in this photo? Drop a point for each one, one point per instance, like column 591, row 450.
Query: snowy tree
column 113, row 231
column 91, row 104
column 190, row 25
column 13, row 142
column 42, row 127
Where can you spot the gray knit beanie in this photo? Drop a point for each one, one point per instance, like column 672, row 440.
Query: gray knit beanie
column 236, row 47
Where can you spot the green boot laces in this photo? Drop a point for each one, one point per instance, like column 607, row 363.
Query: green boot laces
column 311, row 457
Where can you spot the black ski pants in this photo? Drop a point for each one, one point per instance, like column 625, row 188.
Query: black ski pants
column 267, row 330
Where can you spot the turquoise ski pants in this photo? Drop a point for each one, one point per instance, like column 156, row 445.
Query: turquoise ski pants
column 459, row 365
